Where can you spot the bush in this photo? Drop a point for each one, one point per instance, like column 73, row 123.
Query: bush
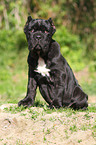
column 71, row 48
column 12, row 40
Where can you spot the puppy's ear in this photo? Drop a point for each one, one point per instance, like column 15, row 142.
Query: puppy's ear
column 26, row 25
column 29, row 18
column 52, row 25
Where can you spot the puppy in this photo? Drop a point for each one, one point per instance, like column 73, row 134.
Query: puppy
column 49, row 70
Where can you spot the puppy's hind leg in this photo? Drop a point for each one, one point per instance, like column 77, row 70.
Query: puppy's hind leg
column 79, row 99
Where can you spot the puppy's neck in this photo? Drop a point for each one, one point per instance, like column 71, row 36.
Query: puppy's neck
column 41, row 62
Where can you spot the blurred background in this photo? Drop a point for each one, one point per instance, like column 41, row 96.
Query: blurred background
column 75, row 21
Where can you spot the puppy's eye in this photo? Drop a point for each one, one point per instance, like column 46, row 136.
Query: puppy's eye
column 46, row 32
column 32, row 30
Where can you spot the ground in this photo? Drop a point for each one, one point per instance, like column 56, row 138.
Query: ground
column 37, row 126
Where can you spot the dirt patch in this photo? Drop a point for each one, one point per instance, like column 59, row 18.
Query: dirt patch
column 36, row 127
column 92, row 99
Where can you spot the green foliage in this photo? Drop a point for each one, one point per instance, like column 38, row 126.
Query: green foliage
column 11, row 13
column 71, row 48
column 12, row 40
column 11, row 71
column 89, row 88
column 77, row 16
column 67, row 39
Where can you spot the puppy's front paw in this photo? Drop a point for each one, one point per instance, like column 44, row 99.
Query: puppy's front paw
column 26, row 102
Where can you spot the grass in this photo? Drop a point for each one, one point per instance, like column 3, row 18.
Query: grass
column 73, row 128
column 79, row 141
column 69, row 112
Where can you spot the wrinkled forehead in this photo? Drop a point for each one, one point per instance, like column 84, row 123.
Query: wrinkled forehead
column 39, row 22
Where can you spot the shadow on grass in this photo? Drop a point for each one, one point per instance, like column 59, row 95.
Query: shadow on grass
column 39, row 104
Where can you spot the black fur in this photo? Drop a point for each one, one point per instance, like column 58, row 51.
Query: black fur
column 60, row 88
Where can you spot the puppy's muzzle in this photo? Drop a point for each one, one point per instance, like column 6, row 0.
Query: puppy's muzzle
column 38, row 36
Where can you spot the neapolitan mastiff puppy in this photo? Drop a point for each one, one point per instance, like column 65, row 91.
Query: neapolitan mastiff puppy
column 49, row 70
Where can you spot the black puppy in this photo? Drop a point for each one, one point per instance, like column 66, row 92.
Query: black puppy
column 49, row 70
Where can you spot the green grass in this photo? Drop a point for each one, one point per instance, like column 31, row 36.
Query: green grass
column 79, row 141
column 73, row 128
column 14, row 109
column 69, row 112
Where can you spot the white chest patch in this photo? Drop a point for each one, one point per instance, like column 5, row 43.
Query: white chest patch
column 42, row 67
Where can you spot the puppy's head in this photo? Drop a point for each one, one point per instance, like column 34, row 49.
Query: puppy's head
column 39, row 34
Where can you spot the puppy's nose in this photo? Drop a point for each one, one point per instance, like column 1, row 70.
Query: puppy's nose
column 38, row 37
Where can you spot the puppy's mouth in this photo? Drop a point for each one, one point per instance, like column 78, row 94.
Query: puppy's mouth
column 38, row 47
